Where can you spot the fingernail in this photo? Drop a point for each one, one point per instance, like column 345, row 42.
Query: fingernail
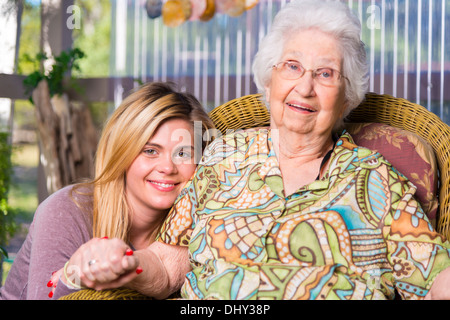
column 105, row 238
column 129, row 252
column 50, row 284
column 139, row 270
column 50, row 295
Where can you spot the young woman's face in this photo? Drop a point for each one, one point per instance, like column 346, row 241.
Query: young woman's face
column 165, row 164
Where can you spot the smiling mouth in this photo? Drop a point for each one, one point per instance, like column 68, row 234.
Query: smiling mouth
column 301, row 107
column 163, row 185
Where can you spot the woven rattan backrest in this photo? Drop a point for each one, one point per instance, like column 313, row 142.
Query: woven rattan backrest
column 241, row 113
column 249, row 112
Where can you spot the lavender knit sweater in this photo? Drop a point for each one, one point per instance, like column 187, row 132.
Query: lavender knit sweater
column 58, row 229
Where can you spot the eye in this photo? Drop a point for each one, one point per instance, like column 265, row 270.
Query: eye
column 293, row 66
column 325, row 73
column 184, row 153
column 150, row 152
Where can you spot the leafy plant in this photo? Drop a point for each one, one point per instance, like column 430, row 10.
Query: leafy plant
column 8, row 225
column 65, row 62
column 4, row 252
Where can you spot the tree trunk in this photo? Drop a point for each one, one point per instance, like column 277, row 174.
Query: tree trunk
column 67, row 138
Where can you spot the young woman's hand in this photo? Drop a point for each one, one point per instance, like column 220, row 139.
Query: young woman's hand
column 99, row 264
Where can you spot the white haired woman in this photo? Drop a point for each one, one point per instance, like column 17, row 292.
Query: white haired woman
column 299, row 211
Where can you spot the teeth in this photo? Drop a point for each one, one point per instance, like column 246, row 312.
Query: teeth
column 300, row 107
column 164, row 185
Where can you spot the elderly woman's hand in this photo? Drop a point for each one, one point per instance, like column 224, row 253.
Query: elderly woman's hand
column 99, row 264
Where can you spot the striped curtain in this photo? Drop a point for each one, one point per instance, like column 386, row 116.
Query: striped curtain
column 407, row 41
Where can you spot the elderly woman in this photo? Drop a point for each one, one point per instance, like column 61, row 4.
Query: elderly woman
column 299, row 211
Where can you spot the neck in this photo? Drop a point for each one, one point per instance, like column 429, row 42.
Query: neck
column 144, row 229
column 300, row 148
column 301, row 155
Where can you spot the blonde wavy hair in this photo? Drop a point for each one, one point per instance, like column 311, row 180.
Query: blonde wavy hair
column 124, row 135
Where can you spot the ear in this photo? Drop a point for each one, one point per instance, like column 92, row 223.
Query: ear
column 267, row 92
column 344, row 103
column 345, row 107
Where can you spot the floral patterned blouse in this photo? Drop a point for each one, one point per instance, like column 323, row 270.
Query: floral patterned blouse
column 358, row 233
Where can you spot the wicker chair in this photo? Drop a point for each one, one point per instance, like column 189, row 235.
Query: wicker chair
column 250, row 112
column 111, row 294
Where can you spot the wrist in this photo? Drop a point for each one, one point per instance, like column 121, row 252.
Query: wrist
column 70, row 277
column 152, row 280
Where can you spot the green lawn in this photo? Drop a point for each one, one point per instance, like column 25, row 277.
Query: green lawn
column 23, row 192
column 6, row 267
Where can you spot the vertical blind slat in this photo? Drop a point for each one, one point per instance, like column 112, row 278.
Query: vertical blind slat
column 395, row 63
column 419, row 51
column 406, row 48
column 430, row 43
column 441, row 104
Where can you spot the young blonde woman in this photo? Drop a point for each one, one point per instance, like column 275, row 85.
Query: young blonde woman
column 146, row 154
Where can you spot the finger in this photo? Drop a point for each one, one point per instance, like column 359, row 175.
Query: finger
column 119, row 282
column 115, row 254
column 102, row 272
column 76, row 271
column 92, row 254
column 130, row 270
column 130, row 263
column 54, row 279
column 101, row 260
column 107, row 267
column 87, row 264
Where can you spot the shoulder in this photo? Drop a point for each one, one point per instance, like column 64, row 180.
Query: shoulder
column 350, row 157
column 67, row 204
column 68, row 196
column 357, row 156
column 233, row 146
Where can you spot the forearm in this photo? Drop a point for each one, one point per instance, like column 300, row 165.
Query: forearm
column 440, row 290
column 164, row 269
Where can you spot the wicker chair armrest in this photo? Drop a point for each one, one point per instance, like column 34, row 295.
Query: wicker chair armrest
column 110, row 294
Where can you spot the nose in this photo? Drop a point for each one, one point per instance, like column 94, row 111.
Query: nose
column 305, row 84
column 166, row 165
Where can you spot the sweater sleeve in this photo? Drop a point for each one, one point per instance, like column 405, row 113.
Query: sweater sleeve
column 60, row 228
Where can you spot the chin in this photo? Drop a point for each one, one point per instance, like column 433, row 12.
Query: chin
column 163, row 205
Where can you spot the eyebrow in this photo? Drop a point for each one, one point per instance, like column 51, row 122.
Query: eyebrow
column 322, row 60
column 156, row 145
column 327, row 61
column 148, row 144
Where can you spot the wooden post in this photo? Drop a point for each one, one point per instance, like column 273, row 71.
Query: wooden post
column 55, row 38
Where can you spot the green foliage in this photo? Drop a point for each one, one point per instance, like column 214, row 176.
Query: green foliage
column 7, row 224
column 5, row 170
column 63, row 64
column 3, row 252
column 30, row 37
column 94, row 37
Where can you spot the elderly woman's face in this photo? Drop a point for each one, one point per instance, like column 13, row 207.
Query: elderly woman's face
column 313, row 103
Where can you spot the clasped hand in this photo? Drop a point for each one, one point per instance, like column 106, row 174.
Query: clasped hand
column 98, row 264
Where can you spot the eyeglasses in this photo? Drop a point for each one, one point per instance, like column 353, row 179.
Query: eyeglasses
column 293, row 70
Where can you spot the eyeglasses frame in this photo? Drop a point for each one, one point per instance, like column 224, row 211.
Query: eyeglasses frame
column 313, row 71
